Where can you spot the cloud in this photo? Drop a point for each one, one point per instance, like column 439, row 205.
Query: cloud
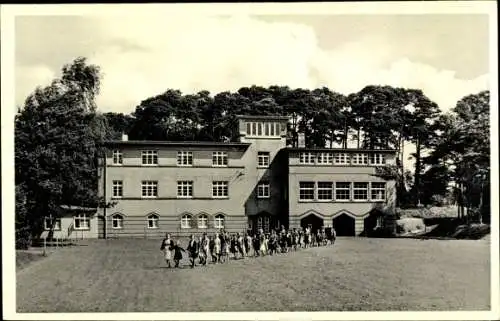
column 143, row 56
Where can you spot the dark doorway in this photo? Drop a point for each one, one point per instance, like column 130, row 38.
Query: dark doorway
column 344, row 225
column 312, row 221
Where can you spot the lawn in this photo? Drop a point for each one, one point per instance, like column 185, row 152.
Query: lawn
column 356, row 274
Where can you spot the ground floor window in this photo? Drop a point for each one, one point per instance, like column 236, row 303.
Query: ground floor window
column 82, row 222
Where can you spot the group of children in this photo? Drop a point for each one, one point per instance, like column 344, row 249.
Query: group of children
column 222, row 246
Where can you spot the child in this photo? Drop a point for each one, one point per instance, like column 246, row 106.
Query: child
column 217, row 248
column 166, row 244
column 193, row 249
column 177, row 253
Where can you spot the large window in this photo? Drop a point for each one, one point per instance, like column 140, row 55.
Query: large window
column 185, row 158
column 360, row 191
column 203, row 221
column 149, row 188
column 153, row 221
column 220, row 189
column 186, row 221
column 377, row 159
column 360, row 159
column 52, row 223
column 117, row 188
column 117, row 221
column 117, row 157
column 341, row 159
column 149, row 157
column 306, row 158
column 263, row 190
column 325, row 191
column 219, row 221
column 185, row 189
column 377, row 191
column 342, row 191
column 263, row 129
column 263, row 159
column 219, row 159
column 81, row 222
column 306, row 191
column 325, row 159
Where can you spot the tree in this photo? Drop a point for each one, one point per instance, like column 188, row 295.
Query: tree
column 57, row 138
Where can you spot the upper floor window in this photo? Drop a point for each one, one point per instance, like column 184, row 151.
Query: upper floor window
column 52, row 223
column 220, row 189
column 325, row 159
column 149, row 189
column 185, row 189
column 377, row 159
column 117, row 157
column 377, row 191
column 185, row 158
column 219, row 159
column 263, row 159
column 360, row 159
column 149, row 157
column 263, row 129
column 306, row 191
column 341, row 159
column 117, row 188
column 306, row 158
column 263, row 190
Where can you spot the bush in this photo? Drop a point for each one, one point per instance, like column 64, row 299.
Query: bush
column 23, row 238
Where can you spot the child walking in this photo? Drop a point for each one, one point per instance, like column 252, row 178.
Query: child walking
column 166, row 244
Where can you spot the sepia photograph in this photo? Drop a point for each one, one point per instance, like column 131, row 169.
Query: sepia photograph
column 250, row 161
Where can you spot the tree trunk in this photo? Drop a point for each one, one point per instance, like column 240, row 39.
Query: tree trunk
column 417, row 172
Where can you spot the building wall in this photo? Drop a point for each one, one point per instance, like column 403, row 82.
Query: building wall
column 328, row 210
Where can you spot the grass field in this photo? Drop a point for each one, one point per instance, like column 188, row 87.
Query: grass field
column 355, row 274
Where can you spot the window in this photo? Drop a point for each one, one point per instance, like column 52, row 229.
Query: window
column 360, row 159
column 378, row 191
column 263, row 159
column 185, row 158
column 263, row 190
column 341, row 159
column 186, row 221
column 149, row 189
column 52, row 223
column 325, row 191
column 149, row 157
column 81, row 222
column 117, row 221
column 342, row 191
column 203, row 221
column 360, row 191
column 220, row 189
column 306, row 191
column 117, row 188
column 219, row 221
column 185, row 189
column 306, row 158
column 117, row 157
column 325, row 158
column 377, row 159
column 153, row 220
column 219, row 159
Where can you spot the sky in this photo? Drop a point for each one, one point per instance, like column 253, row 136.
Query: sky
column 444, row 55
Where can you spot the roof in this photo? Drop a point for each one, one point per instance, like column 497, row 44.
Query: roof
column 174, row 143
column 263, row 117
column 349, row 150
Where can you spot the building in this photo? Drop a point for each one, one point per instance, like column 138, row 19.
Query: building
column 257, row 182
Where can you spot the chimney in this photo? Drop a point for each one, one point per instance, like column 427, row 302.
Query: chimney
column 302, row 140
column 124, row 137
